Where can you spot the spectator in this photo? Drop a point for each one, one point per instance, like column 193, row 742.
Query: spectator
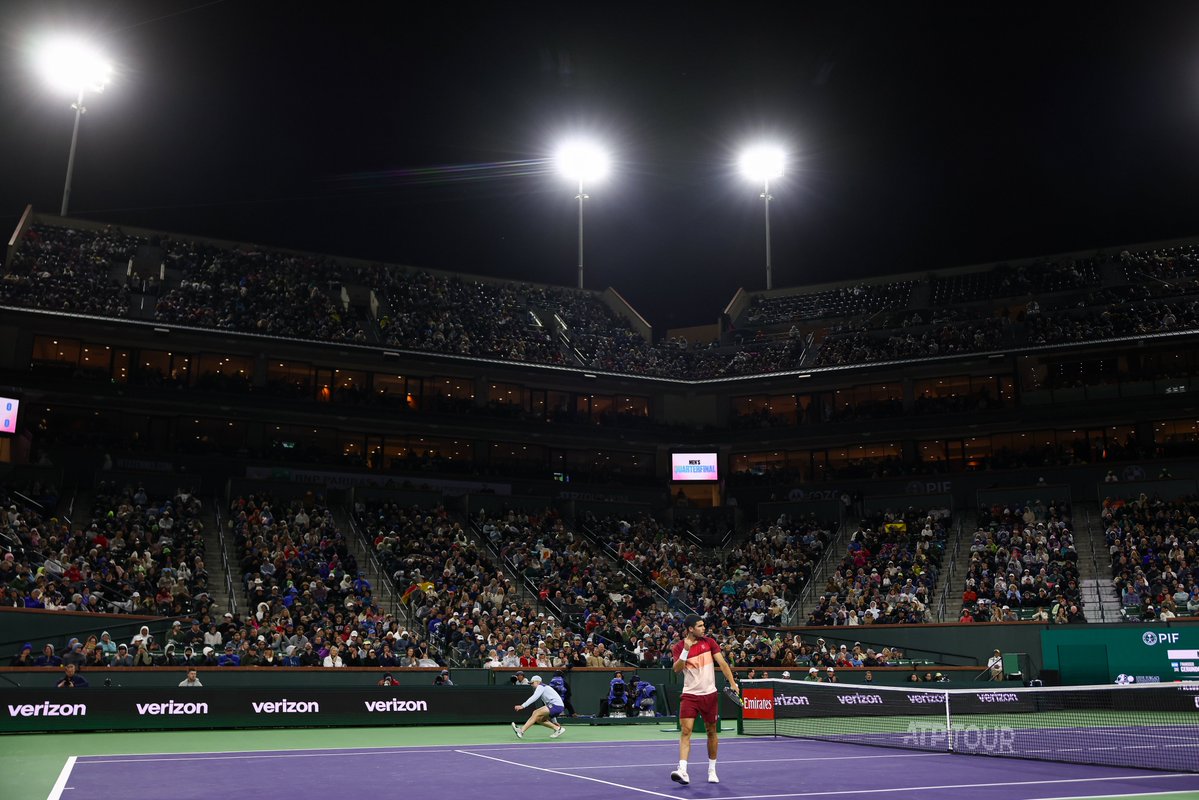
column 122, row 658
column 333, row 659
column 191, row 680
column 443, row 679
column 25, row 657
column 107, row 645
column 995, row 665
column 48, row 658
column 71, row 678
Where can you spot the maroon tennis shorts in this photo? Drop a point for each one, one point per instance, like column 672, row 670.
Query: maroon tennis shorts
column 698, row 705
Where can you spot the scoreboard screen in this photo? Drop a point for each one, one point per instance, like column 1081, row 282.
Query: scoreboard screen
column 694, row 467
column 8, row 414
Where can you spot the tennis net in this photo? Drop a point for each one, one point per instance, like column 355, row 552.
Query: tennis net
column 1149, row 726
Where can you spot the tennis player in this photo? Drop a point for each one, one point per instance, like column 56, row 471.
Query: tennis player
column 697, row 656
column 543, row 715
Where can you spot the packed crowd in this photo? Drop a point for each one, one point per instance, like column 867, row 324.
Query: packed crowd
column 133, row 555
column 464, row 317
column 1154, row 549
column 1112, row 321
column 889, row 572
column 1023, row 558
column 258, row 291
column 1005, row 280
column 311, row 605
column 975, row 336
column 840, row 302
column 69, row 270
column 570, row 575
column 766, row 648
column 455, row 591
column 252, row 289
column 750, row 584
column 1173, row 265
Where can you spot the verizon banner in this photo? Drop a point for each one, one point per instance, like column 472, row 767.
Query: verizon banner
column 28, row 710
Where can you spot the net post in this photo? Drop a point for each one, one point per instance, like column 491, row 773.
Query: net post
column 948, row 724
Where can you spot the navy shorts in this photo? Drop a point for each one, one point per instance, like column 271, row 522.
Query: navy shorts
column 555, row 711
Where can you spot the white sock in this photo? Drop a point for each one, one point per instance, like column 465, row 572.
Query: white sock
column 711, row 765
column 682, row 766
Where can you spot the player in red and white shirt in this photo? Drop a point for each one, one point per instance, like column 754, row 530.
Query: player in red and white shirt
column 697, row 657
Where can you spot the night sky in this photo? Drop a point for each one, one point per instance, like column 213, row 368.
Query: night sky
column 923, row 135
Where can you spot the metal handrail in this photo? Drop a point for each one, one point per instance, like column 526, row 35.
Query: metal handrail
column 804, row 593
column 220, row 532
column 950, row 571
column 1095, row 567
column 381, row 578
column 635, row 570
column 551, row 608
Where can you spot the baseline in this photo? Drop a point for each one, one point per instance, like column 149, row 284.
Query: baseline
column 63, row 776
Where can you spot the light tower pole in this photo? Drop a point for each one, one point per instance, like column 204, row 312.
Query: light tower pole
column 762, row 164
column 74, row 66
column 582, row 162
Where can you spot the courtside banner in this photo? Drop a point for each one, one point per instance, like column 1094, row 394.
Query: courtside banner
column 791, row 700
column 111, row 708
column 757, row 704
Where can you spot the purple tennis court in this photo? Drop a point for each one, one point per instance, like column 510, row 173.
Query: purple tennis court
column 748, row 768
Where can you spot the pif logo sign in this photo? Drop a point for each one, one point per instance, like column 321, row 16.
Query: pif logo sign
column 758, row 704
column 1150, row 638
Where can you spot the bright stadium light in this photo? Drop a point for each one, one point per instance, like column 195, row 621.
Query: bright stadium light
column 73, row 66
column 762, row 164
column 582, row 162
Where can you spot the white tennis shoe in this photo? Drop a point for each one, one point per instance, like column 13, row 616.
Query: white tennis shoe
column 680, row 776
column 516, row 729
column 712, row 776
column 561, row 730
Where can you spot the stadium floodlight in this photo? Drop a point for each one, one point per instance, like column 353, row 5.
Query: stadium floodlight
column 582, row 162
column 761, row 164
column 73, row 66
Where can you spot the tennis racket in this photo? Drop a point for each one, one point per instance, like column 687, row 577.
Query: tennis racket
column 731, row 694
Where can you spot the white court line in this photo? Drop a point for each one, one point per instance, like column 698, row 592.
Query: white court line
column 768, row 760
column 1141, row 777
column 442, row 748
column 568, row 774
column 264, row 754
column 61, row 783
column 236, row 755
column 1110, row 796
column 640, row 743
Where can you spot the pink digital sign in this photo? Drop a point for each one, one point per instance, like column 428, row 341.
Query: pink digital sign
column 693, row 467
column 8, row 414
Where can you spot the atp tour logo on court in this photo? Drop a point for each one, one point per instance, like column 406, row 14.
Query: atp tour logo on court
column 1150, row 638
column 757, row 704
